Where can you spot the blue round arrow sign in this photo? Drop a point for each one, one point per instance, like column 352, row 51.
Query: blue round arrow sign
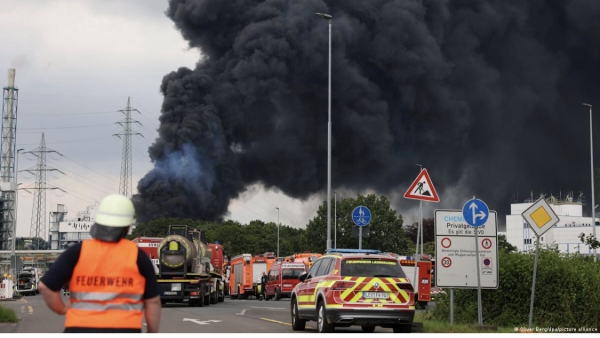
column 361, row 216
column 475, row 212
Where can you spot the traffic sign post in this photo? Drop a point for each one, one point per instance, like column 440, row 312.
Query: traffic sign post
column 540, row 218
column 421, row 189
column 454, row 239
column 476, row 212
column 361, row 216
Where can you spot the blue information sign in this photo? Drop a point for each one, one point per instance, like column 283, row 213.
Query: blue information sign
column 361, row 216
column 475, row 212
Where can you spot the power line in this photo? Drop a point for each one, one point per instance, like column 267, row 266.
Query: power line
column 72, row 160
column 71, row 141
column 72, row 127
column 111, row 189
column 68, row 114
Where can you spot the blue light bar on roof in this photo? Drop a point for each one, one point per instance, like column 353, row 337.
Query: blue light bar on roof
column 364, row 251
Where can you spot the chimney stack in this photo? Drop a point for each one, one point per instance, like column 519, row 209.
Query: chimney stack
column 11, row 77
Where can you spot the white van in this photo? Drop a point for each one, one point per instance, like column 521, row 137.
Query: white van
column 27, row 281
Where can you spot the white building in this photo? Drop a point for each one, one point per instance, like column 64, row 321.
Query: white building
column 565, row 234
column 64, row 232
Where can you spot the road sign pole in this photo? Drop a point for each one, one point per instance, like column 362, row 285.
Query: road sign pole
column 422, row 230
column 415, row 285
column 479, row 305
column 537, row 249
column 359, row 238
column 451, row 306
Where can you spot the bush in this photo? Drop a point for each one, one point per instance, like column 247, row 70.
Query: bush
column 7, row 315
column 567, row 293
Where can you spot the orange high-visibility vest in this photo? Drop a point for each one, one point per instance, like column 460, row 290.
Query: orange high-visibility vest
column 106, row 287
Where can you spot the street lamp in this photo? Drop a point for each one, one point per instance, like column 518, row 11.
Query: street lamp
column 335, row 219
column 328, row 18
column 14, row 237
column 277, row 232
column 592, row 166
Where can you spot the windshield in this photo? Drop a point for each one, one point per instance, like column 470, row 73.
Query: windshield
column 372, row 268
column 291, row 273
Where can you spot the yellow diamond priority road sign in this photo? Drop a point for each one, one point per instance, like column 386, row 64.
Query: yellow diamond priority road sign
column 540, row 217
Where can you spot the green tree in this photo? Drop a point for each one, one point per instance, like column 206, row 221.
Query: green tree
column 428, row 230
column 158, row 227
column 503, row 244
column 386, row 232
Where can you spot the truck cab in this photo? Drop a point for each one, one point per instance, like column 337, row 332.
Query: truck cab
column 27, row 281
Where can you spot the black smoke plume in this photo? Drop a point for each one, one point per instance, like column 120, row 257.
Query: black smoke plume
column 486, row 94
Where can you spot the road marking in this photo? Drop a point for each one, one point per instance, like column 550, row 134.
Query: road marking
column 23, row 300
column 200, row 322
column 268, row 307
column 30, row 309
column 275, row 321
column 241, row 313
column 308, row 328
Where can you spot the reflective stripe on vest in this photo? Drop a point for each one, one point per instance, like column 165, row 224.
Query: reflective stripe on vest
column 103, row 307
column 103, row 296
column 98, row 303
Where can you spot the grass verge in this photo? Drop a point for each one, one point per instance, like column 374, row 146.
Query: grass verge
column 433, row 326
column 7, row 315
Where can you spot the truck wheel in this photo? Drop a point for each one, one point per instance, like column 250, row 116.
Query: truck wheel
column 200, row 300
column 213, row 298
column 220, row 292
column 277, row 294
column 206, row 299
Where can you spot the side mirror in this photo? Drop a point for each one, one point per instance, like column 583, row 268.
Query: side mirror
column 303, row 276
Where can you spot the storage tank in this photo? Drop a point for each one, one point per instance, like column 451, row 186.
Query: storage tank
column 179, row 251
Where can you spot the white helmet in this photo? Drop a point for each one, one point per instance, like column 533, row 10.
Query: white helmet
column 115, row 211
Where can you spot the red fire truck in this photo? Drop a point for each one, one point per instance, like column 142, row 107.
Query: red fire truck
column 422, row 284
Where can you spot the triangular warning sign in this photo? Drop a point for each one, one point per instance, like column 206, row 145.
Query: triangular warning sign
column 422, row 189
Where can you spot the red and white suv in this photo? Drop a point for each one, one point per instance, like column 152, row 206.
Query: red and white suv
column 354, row 287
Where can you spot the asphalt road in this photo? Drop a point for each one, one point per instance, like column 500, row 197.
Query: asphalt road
column 231, row 316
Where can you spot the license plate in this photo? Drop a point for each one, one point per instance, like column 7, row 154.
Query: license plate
column 377, row 295
column 170, row 293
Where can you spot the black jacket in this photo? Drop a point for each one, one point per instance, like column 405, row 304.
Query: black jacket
column 263, row 279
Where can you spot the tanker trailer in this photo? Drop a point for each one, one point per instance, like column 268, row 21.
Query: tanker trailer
column 185, row 271
column 180, row 255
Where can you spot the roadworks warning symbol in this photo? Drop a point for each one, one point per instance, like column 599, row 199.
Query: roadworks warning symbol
column 446, row 262
column 422, row 189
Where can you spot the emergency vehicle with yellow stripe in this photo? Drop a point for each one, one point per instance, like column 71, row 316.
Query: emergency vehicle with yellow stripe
column 348, row 287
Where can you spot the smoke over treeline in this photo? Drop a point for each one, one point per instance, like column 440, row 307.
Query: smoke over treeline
column 486, row 94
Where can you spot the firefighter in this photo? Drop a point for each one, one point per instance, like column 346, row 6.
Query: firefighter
column 111, row 281
column 263, row 286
